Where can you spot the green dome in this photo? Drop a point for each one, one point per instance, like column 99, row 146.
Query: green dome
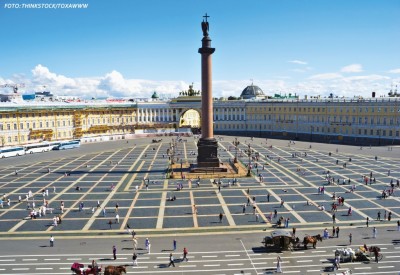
column 155, row 95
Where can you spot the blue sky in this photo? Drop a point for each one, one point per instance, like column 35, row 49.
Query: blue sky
column 132, row 47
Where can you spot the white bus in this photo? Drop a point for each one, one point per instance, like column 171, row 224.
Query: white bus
column 54, row 144
column 37, row 148
column 68, row 145
column 11, row 152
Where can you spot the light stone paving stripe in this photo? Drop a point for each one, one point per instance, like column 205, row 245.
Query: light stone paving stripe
column 194, row 215
column 225, row 208
column 184, row 150
column 261, row 214
column 128, row 185
column 128, row 214
column 165, row 186
column 77, row 181
column 294, row 213
column 146, row 176
column 160, row 218
column 19, row 170
column 108, row 198
column 327, row 193
column 35, row 180
column 15, row 227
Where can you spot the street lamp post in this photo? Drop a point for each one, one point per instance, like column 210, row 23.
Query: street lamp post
column 236, row 143
column 249, row 165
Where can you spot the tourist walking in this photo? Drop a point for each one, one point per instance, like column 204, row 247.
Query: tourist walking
column 174, row 244
column 367, row 221
column 376, row 254
column 185, row 252
column 374, row 231
column 114, row 250
column 337, row 232
column 117, row 218
column 147, row 244
column 134, row 259
column 350, row 238
column 171, row 260
column 278, row 265
column 220, row 217
column 51, row 241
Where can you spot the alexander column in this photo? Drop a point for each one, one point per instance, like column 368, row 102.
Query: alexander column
column 207, row 145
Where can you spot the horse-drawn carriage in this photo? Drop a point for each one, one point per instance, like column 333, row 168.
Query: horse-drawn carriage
column 79, row 269
column 157, row 140
column 279, row 239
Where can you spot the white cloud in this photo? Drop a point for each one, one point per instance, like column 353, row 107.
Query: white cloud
column 42, row 74
column 394, row 71
column 298, row 62
column 353, row 68
column 114, row 84
column 326, row 76
column 372, row 77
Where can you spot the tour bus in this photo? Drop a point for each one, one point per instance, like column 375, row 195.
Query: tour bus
column 68, row 144
column 54, row 144
column 37, row 148
column 12, row 152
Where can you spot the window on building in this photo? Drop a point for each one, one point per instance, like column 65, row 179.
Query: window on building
column 15, row 126
column 21, row 126
column 15, row 138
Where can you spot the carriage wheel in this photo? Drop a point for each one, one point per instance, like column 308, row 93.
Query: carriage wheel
column 380, row 257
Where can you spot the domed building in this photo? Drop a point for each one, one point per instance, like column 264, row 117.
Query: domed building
column 155, row 96
column 251, row 92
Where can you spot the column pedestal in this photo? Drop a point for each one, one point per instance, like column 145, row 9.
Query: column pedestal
column 208, row 152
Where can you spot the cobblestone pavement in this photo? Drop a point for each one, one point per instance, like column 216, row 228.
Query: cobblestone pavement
column 120, row 177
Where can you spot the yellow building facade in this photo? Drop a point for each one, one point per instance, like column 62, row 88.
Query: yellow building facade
column 373, row 121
